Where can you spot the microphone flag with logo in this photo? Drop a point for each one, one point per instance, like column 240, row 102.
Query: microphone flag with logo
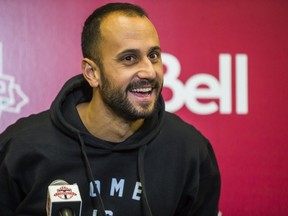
column 63, row 199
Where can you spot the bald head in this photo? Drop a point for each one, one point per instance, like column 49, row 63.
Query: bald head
column 91, row 34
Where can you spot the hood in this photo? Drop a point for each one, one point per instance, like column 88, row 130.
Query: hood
column 65, row 117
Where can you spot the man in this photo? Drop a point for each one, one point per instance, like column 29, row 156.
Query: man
column 107, row 131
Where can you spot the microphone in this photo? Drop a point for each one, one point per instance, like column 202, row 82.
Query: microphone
column 63, row 199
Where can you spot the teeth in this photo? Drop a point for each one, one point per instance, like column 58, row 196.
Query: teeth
column 144, row 90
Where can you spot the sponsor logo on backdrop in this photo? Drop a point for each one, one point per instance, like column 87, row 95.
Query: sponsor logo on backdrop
column 203, row 93
column 12, row 98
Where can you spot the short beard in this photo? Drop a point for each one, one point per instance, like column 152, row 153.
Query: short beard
column 117, row 101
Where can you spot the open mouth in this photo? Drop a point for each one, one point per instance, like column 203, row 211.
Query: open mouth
column 144, row 91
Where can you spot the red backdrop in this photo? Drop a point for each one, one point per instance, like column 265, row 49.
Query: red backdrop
column 226, row 73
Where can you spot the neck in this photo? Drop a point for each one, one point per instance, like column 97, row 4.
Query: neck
column 106, row 125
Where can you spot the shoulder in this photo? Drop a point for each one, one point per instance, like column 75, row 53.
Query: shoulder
column 21, row 137
column 27, row 124
column 27, row 130
column 179, row 127
column 184, row 137
column 34, row 137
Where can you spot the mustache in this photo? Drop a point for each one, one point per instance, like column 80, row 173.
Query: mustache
column 144, row 83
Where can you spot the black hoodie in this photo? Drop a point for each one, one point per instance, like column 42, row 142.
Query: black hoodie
column 166, row 168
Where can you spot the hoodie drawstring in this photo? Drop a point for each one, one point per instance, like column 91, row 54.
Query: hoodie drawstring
column 99, row 202
column 141, row 154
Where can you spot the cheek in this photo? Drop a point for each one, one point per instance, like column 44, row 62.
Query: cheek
column 159, row 72
column 116, row 77
column 119, row 82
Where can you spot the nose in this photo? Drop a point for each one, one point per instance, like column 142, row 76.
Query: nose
column 147, row 70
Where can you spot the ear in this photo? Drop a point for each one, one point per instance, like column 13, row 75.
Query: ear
column 91, row 72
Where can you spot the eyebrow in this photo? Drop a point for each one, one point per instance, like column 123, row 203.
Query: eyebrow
column 158, row 48
column 128, row 51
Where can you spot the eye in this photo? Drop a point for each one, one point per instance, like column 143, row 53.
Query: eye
column 154, row 56
column 129, row 59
